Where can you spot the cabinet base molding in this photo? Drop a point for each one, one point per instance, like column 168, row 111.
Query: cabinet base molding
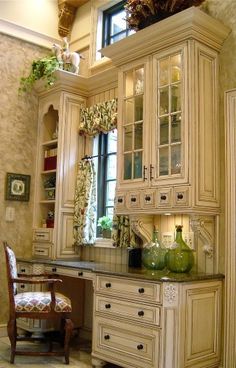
column 97, row 363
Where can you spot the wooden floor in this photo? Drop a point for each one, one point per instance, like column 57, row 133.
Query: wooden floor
column 79, row 357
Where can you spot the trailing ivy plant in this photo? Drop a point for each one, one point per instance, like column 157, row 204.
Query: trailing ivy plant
column 41, row 69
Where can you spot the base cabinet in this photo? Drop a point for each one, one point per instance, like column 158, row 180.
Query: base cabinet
column 134, row 328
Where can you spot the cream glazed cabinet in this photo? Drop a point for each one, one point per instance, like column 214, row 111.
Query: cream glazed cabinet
column 59, row 149
column 168, row 124
column 150, row 324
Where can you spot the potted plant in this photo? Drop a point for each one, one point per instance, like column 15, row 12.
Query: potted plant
column 143, row 13
column 105, row 224
column 40, row 69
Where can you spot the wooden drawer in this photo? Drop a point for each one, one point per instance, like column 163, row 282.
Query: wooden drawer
column 120, row 201
column 42, row 250
column 133, row 200
column 78, row 273
column 181, row 196
column 164, row 197
column 23, row 269
column 132, row 311
column 43, row 235
column 148, row 198
column 131, row 289
column 126, row 344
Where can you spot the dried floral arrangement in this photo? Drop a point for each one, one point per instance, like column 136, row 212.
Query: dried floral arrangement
column 142, row 13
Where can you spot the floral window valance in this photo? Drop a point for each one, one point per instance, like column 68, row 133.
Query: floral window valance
column 101, row 117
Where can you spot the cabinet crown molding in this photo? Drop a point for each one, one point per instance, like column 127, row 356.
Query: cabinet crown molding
column 190, row 23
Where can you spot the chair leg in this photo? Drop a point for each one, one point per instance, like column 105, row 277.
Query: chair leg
column 68, row 331
column 11, row 329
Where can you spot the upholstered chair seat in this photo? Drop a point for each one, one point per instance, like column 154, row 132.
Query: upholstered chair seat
column 41, row 302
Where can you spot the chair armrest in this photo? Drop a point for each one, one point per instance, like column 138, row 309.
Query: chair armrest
column 22, row 280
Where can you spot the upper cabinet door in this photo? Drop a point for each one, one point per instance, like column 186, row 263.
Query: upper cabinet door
column 169, row 135
column 133, row 126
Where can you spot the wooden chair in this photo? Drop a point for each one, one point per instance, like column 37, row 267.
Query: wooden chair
column 35, row 305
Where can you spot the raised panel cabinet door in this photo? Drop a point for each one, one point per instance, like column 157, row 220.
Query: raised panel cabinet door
column 133, row 125
column 168, row 143
column 71, row 147
column 65, row 240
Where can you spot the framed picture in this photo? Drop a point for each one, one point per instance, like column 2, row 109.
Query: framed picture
column 17, row 187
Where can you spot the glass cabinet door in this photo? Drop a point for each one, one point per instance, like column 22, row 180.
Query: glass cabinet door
column 169, row 150
column 133, row 119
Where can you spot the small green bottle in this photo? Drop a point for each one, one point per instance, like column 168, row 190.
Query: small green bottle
column 153, row 255
column 180, row 257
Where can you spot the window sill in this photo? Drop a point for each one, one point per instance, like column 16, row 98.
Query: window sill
column 103, row 243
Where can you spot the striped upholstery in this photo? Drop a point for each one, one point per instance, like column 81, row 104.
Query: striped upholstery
column 40, row 302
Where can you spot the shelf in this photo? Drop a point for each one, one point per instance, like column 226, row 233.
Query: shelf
column 46, row 201
column 53, row 142
column 48, row 172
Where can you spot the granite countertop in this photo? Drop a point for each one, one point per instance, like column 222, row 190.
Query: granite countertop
column 125, row 271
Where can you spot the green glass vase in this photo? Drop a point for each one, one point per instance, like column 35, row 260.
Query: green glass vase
column 153, row 255
column 180, row 257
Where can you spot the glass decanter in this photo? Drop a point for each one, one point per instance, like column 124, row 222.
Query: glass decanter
column 153, row 255
column 179, row 257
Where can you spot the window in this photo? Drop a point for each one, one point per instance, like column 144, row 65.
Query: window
column 105, row 148
column 114, row 24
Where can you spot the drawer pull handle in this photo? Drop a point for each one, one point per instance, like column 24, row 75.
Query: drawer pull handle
column 22, row 270
column 80, row 273
column 180, row 196
column 144, row 173
column 108, row 285
column 141, row 290
column 107, row 306
column 151, row 172
column 40, row 235
column 22, row 286
column 39, row 251
column 141, row 313
column 54, row 269
column 107, row 337
column 120, row 200
column 147, row 198
column 163, row 197
column 133, row 199
column 140, row 347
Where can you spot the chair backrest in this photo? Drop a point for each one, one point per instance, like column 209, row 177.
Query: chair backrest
column 11, row 268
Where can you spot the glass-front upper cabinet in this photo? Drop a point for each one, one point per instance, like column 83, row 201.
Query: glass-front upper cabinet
column 168, row 149
column 133, row 168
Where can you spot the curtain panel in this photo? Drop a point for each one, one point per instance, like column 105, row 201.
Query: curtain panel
column 85, row 204
column 122, row 234
column 101, row 117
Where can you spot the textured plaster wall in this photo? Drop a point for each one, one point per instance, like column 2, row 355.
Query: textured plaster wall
column 18, row 132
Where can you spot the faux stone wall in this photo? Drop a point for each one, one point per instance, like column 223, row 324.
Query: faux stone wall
column 18, row 132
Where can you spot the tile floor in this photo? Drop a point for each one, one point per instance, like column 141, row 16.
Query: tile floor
column 79, row 357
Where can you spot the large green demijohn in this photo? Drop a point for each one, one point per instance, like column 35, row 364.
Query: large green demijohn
column 180, row 256
column 153, row 255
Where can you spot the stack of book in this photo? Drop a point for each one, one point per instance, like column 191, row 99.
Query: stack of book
column 50, row 159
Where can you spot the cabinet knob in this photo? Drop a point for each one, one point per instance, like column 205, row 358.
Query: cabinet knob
column 107, row 306
column 141, row 290
column 163, row 197
column 22, row 270
column 133, row 199
column 180, row 196
column 141, row 313
column 147, row 198
column 108, row 285
column 80, row 273
column 119, row 200
column 140, row 347
column 22, row 286
column 107, row 337
column 54, row 269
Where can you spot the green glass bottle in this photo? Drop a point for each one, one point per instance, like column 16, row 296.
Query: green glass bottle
column 153, row 255
column 180, row 257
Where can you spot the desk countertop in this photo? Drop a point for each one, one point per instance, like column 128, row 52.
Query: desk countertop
column 125, row 271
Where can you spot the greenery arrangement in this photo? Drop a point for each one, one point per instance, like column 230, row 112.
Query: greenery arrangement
column 40, row 69
column 105, row 223
column 142, row 13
